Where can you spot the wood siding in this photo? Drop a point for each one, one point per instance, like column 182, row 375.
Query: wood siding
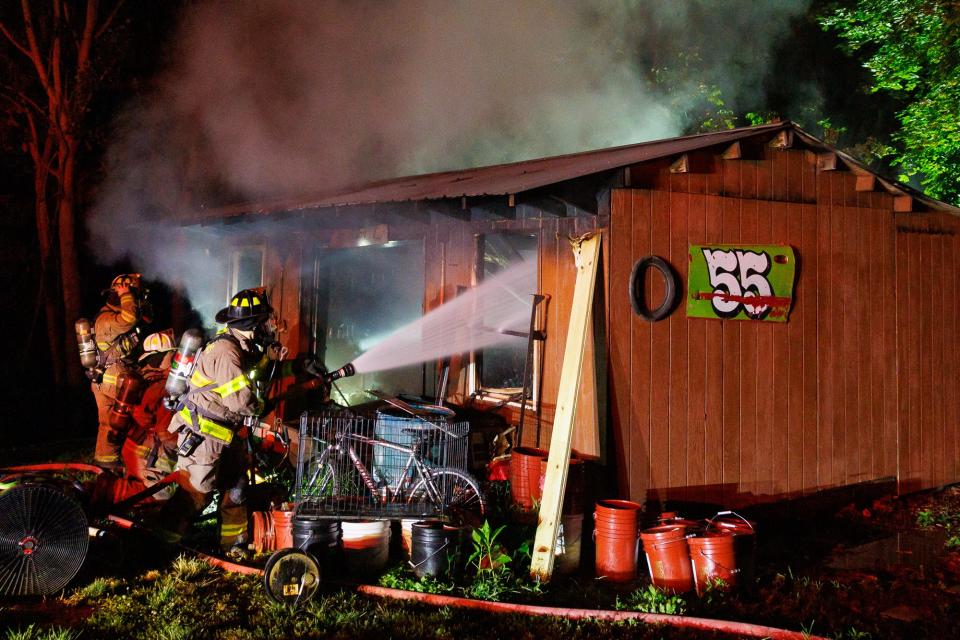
column 741, row 412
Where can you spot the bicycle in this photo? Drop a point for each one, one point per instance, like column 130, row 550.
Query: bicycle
column 344, row 468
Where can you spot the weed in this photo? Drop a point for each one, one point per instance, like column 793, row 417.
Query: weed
column 853, row 634
column 488, row 554
column 953, row 542
column 33, row 633
column 400, row 577
column 93, row 591
column 652, row 600
column 925, row 518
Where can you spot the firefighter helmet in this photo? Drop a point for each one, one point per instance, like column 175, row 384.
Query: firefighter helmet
column 249, row 304
column 131, row 280
column 159, row 341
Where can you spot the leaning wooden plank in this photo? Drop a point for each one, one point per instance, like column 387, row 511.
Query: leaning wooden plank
column 587, row 253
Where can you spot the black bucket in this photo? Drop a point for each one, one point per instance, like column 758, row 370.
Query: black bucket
column 319, row 537
column 435, row 549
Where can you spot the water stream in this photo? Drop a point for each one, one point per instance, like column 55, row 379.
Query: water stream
column 473, row 320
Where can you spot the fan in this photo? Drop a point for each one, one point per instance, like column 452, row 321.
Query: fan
column 43, row 539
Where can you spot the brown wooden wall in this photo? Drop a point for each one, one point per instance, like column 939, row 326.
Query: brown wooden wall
column 740, row 412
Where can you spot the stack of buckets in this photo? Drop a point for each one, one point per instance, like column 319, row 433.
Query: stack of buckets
column 528, row 467
column 681, row 555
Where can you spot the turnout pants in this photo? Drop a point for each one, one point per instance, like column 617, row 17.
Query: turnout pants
column 106, row 452
column 136, row 457
column 213, row 466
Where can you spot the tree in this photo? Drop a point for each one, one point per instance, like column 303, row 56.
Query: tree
column 912, row 49
column 52, row 72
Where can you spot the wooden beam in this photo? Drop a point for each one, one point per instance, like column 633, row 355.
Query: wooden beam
column 681, row 164
column 866, row 182
column 827, row 161
column 733, row 152
column 586, row 250
column 902, row 203
column 783, row 140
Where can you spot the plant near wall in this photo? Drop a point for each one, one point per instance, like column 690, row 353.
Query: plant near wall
column 652, row 600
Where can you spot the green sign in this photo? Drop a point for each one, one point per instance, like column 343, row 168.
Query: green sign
column 737, row 282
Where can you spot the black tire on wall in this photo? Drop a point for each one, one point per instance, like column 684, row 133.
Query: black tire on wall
column 671, row 295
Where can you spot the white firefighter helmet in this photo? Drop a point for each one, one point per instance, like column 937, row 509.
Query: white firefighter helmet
column 159, row 341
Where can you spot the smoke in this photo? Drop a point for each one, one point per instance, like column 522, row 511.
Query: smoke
column 280, row 97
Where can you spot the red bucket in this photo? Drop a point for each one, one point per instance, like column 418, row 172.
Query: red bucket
column 713, row 558
column 668, row 557
column 744, row 540
column 525, row 474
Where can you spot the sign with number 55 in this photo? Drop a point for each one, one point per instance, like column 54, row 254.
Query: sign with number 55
column 736, row 282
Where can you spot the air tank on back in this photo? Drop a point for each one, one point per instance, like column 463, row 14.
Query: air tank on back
column 87, row 343
column 178, row 380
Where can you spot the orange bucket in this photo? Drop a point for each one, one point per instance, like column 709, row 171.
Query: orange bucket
column 713, row 558
column 525, row 475
column 615, row 532
column 282, row 528
column 744, row 540
column 668, row 557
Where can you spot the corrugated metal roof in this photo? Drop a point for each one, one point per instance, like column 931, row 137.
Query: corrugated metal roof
column 518, row 177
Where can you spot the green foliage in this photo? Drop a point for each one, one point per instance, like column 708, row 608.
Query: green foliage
column 32, row 632
column 912, row 49
column 701, row 104
column 653, row 600
column 401, row 577
column 488, row 554
column 925, row 518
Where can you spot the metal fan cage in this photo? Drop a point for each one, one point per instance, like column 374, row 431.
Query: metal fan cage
column 43, row 539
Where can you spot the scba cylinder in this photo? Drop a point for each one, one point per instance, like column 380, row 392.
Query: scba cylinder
column 87, row 343
column 129, row 395
column 178, row 380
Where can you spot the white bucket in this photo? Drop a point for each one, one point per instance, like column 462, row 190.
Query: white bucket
column 567, row 552
column 366, row 545
column 406, row 534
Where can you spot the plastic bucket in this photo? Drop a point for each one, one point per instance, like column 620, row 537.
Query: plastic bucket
column 430, row 549
column 713, row 557
column 567, row 552
column 282, row 521
column 320, row 537
column 406, row 534
column 366, row 545
column 525, row 474
column 668, row 557
column 388, row 463
column 573, row 494
column 615, row 531
column 744, row 541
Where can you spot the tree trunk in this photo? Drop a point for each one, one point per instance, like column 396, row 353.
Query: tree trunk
column 48, row 278
column 69, row 269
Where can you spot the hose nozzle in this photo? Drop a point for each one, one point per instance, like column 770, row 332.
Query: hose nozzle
column 345, row 371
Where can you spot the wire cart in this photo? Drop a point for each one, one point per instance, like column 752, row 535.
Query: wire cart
column 388, row 465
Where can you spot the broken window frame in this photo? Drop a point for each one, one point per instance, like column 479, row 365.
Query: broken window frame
column 509, row 396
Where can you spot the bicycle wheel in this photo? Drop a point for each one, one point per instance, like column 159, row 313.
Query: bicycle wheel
column 459, row 494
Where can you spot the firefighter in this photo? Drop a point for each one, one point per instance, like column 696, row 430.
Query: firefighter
column 117, row 331
column 150, row 451
column 212, row 440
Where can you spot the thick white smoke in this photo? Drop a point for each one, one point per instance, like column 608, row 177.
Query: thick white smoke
column 283, row 97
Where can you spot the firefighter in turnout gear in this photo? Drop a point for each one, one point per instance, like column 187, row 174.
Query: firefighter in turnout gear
column 150, row 450
column 209, row 420
column 117, row 335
